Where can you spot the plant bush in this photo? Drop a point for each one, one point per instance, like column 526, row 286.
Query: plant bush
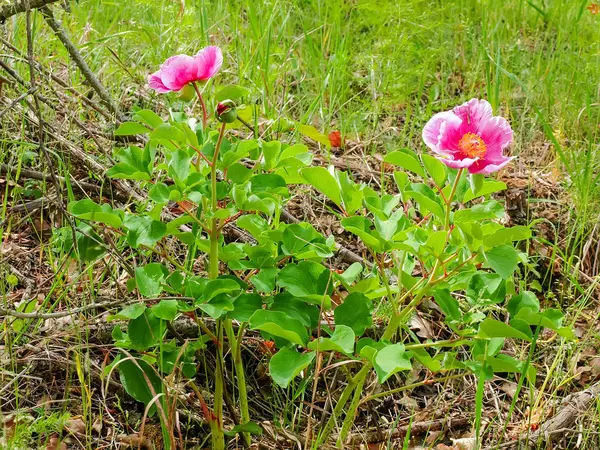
column 435, row 233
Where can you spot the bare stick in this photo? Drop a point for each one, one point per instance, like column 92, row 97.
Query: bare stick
column 78, row 59
column 17, row 7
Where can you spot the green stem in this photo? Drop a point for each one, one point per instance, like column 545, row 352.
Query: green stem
column 358, row 381
column 203, row 105
column 218, row 438
column 236, row 349
column 216, row 424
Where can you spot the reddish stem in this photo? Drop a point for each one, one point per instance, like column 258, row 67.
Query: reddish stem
column 204, row 112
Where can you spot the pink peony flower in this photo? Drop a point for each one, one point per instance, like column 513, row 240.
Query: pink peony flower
column 469, row 136
column 180, row 70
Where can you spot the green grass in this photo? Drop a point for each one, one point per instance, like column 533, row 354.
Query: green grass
column 376, row 70
column 372, row 68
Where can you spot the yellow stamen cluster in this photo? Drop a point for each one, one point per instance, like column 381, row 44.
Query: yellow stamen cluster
column 472, row 146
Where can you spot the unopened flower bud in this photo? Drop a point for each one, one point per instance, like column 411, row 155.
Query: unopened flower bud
column 226, row 112
column 186, row 93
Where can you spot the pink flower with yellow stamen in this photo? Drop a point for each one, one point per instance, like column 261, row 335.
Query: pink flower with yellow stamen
column 180, row 70
column 469, row 136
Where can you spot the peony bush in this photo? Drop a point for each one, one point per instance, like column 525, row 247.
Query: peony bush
column 435, row 235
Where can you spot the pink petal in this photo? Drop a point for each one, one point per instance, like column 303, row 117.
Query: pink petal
column 208, row 62
column 497, row 135
column 178, row 71
column 155, row 82
column 436, row 130
column 488, row 166
column 473, row 112
column 459, row 163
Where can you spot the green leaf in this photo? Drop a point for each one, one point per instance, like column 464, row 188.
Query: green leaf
column 390, row 360
column 145, row 331
column 148, row 117
column 279, row 324
column 169, row 133
column 363, row 228
column 271, row 151
column 144, row 230
column 322, row 180
column 407, row 160
column 160, row 193
column 179, row 165
column 165, row 309
column 219, row 286
column 303, row 241
column 489, row 187
column 244, row 306
column 137, row 381
column 307, row 280
column 264, row 280
column 131, row 129
column 503, row 259
column 525, row 299
column 476, row 181
column 286, row 364
column 218, row 306
column 356, row 312
column 506, row 235
column 447, row 303
column 436, row 169
column 231, row 92
column 149, row 279
column 342, row 340
column 493, row 328
column 134, row 164
column 488, row 210
column 427, row 204
column 88, row 210
column 314, row 134
column 248, row 427
column 129, row 312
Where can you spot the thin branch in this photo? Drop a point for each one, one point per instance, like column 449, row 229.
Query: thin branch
column 80, row 62
column 21, row 6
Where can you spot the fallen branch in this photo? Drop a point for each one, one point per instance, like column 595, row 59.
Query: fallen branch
column 574, row 406
column 415, row 429
column 21, row 6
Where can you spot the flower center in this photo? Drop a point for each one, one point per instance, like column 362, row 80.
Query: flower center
column 472, row 146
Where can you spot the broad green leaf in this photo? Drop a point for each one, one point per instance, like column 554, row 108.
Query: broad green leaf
column 476, row 182
column 145, row 331
column 218, row 306
column 303, row 241
column 231, row 92
column 244, row 306
column 149, row 279
column 129, row 312
column 264, row 280
column 525, row 299
column 322, row 180
column 131, row 129
column 179, row 165
column 342, row 340
column 390, row 360
column 143, row 230
column 137, row 379
column 507, row 235
column 160, row 193
column 219, row 286
column 248, row 427
column 493, row 328
column 488, row 187
column 165, row 309
column 297, row 309
column 447, row 303
column 488, row 210
column 286, row 364
column 148, row 117
column 355, row 312
column 503, row 259
column 351, row 192
column 134, row 164
column 307, row 280
column 271, row 151
column 86, row 209
column 428, row 204
column 363, row 228
column 407, row 160
column 436, row 169
column 314, row 134
column 170, row 133
column 279, row 324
